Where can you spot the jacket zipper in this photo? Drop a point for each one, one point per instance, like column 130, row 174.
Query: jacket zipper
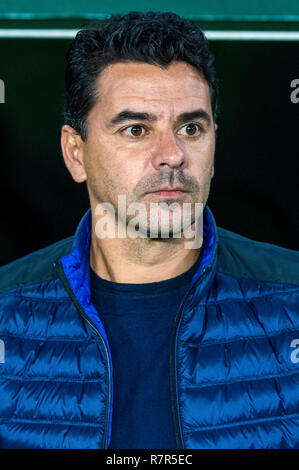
column 173, row 368
column 173, row 346
column 69, row 289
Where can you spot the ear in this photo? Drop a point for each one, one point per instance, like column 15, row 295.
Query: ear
column 72, row 151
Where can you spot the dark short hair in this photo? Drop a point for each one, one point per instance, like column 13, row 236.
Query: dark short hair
column 153, row 38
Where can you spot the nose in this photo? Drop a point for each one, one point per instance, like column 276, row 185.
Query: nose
column 167, row 152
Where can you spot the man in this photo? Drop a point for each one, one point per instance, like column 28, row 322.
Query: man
column 125, row 335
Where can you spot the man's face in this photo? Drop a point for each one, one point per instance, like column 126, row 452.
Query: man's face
column 151, row 130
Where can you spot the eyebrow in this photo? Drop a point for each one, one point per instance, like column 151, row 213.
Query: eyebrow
column 128, row 115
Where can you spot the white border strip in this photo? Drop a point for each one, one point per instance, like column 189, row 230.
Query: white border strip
column 252, row 35
column 212, row 35
column 38, row 33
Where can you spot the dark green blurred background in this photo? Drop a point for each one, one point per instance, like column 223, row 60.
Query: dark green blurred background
column 255, row 188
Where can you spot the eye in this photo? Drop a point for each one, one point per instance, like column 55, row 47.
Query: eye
column 192, row 129
column 134, row 131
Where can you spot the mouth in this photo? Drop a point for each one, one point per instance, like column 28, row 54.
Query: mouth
column 169, row 193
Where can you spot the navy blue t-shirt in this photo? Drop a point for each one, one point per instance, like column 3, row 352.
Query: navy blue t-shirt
column 139, row 320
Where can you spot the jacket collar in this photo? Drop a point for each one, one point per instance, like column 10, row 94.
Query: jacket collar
column 77, row 263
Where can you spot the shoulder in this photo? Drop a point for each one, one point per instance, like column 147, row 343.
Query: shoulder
column 246, row 258
column 35, row 267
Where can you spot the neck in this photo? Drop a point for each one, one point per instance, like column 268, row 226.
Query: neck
column 140, row 260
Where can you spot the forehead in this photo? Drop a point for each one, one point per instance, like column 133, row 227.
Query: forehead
column 142, row 86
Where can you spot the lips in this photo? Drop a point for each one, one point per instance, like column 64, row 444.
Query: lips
column 170, row 193
column 170, row 190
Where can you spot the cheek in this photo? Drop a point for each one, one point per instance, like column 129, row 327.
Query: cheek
column 203, row 159
column 111, row 169
column 128, row 168
column 113, row 180
column 208, row 144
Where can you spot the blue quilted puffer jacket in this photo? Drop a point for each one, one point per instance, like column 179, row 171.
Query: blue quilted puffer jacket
column 234, row 355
